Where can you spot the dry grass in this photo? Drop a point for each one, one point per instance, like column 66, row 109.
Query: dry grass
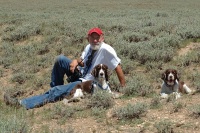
column 149, row 36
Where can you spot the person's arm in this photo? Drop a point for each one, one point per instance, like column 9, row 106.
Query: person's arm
column 120, row 75
column 75, row 63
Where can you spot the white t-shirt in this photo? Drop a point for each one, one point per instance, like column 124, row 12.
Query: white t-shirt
column 105, row 55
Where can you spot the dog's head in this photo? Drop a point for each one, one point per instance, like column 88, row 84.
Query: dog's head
column 100, row 72
column 170, row 76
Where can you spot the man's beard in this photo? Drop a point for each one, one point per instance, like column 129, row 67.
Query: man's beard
column 96, row 46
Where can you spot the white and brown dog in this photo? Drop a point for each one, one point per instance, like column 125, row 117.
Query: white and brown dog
column 172, row 85
column 100, row 74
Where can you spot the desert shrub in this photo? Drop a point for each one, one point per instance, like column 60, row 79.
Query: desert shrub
column 150, row 65
column 194, row 77
column 43, row 49
column 101, row 99
column 116, row 28
column 164, row 126
column 37, row 83
column 190, row 58
column 44, row 61
column 130, row 111
column 21, row 77
column 162, row 14
column 188, row 31
column 135, row 37
column 13, row 124
column 63, row 113
column 98, row 112
column 114, row 82
column 177, row 106
column 128, row 66
column 22, row 32
column 148, row 52
column 137, row 86
column 13, row 121
column 155, row 102
column 195, row 110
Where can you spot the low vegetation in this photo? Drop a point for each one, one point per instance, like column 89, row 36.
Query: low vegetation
column 149, row 36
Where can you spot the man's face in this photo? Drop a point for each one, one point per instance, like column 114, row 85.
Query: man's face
column 95, row 40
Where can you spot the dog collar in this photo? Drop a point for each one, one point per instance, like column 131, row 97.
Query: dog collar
column 100, row 86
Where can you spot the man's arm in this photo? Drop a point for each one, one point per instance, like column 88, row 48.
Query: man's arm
column 120, row 75
column 74, row 63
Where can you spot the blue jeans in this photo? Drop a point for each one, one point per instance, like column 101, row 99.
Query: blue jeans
column 58, row 90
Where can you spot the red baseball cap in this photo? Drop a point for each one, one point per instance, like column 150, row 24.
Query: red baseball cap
column 96, row 30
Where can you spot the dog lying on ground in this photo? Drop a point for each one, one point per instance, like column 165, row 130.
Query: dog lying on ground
column 172, row 85
column 100, row 74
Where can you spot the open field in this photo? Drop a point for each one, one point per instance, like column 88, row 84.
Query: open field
column 148, row 35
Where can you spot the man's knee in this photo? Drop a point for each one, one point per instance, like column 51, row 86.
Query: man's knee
column 60, row 58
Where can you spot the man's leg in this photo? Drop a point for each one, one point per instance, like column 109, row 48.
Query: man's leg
column 54, row 94
column 60, row 68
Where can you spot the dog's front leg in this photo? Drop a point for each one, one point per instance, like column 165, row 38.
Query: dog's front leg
column 187, row 89
column 164, row 95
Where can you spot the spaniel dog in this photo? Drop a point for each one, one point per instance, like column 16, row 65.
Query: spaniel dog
column 100, row 82
column 172, row 85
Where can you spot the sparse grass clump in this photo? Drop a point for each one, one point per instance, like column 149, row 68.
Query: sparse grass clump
column 177, row 106
column 64, row 112
column 98, row 112
column 156, row 102
column 101, row 99
column 131, row 111
column 21, row 77
column 137, row 86
column 189, row 59
column 164, row 126
column 194, row 77
column 147, row 36
column 14, row 122
column 195, row 109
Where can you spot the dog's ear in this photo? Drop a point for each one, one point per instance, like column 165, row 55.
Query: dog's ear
column 93, row 73
column 106, row 74
column 178, row 75
column 163, row 75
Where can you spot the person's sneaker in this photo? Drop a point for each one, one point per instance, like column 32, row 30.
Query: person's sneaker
column 11, row 101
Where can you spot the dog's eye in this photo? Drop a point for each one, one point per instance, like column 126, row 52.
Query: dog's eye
column 167, row 72
column 174, row 72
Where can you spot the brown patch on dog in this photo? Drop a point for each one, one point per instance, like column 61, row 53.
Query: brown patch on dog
column 181, row 83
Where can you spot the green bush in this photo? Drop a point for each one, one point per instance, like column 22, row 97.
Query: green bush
column 131, row 111
column 164, row 126
column 137, row 86
column 195, row 110
column 101, row 99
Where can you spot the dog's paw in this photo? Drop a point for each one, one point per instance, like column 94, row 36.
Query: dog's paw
column 164, row 96
column 116, row 95
column 65, row 101
column 176, row 95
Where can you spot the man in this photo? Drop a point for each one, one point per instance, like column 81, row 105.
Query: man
column 96, row 52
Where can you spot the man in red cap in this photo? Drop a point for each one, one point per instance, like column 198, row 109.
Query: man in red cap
column 77, row 70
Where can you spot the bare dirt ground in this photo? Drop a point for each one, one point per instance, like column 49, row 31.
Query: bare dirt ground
column 182, row 120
